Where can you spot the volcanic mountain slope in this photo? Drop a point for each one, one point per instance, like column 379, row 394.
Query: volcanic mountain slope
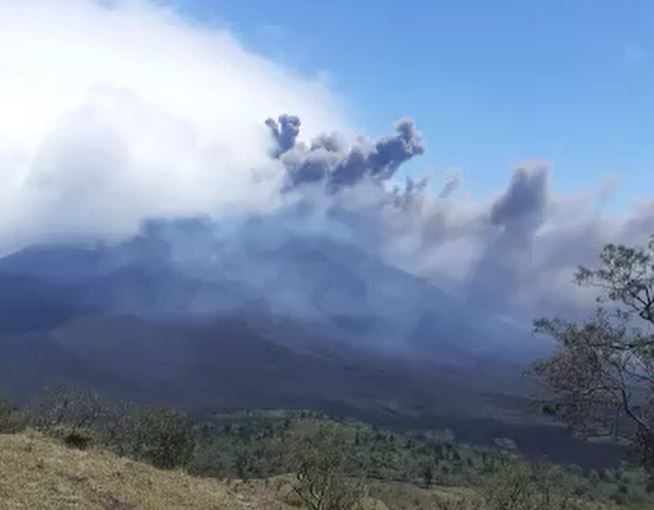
column 192, row 268
column 226, row 363
column 183, row 315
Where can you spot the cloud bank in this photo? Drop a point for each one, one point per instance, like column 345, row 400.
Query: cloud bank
column 112, row 114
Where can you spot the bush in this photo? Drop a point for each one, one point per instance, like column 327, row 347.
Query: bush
column 322, row 460
column 11, row 420
column 162, row 438
column 78, row 439
column 519, row 486
column 5, row 414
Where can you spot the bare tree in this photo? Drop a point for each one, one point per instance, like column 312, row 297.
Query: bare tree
column 81, row 417
column 600, row 378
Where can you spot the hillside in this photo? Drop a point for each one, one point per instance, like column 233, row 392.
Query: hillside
column 238, row 363
column 38, row 473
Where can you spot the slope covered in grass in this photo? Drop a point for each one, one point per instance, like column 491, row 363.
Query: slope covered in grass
column 39, row 473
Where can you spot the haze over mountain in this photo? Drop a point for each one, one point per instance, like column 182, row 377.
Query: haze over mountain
column 183, row 219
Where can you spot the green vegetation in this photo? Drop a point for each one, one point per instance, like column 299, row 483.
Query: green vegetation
column 323, row 469
column 163, row 438
column 317, row 463
column 525, row 487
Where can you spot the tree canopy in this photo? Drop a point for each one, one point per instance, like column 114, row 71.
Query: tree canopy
column 600, row 377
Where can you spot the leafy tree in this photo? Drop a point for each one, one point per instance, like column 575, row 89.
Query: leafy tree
column 600, row 378
column 321, row 461
column 162, row 438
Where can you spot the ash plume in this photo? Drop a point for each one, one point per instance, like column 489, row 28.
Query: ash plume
column 329, row 160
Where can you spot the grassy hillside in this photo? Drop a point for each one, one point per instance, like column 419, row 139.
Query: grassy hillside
column 37, row 472
column 40, row 473
column 74, row 450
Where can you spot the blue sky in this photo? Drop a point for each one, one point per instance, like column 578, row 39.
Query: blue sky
column 488, row 83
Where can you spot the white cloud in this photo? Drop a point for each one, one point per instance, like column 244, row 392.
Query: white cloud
column 111, row 114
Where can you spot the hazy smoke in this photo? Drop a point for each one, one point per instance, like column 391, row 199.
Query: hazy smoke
column 452, row 183
column 521, row 209
column 112, row 116
column 518, row 213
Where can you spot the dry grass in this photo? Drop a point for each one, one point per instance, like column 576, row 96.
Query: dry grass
column 37, row 473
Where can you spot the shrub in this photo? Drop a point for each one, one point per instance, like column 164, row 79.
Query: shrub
column 78, row 439
column 519, row 486
column 163, row 438
column 321, row 461
column 11, row 420
column 5, row 414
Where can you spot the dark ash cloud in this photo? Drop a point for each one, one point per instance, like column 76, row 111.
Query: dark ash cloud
column 329, row 160
column 521, row 208
column 285, row 131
